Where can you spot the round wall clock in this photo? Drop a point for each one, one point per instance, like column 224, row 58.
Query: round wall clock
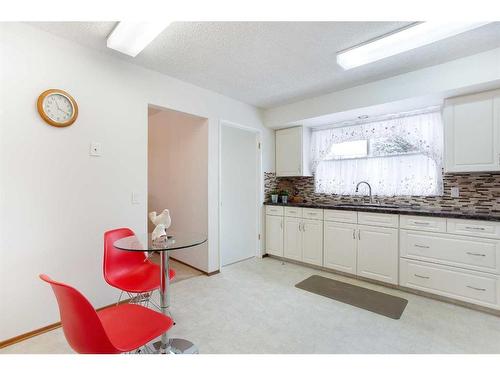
column 57, row 107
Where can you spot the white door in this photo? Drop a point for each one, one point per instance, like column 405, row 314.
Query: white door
column 312, row 241
column 378, row 254
column 238, row 194
column 340, row 246
column 293, row 238
column 274, row 235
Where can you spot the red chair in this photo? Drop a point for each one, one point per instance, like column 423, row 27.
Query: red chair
column 117, row 329
column 130, row 271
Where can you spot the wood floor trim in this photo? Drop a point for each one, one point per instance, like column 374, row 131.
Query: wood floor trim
column 197, row 269
column 40, row 331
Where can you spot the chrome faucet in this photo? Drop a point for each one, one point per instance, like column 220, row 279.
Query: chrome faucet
column 369, row 189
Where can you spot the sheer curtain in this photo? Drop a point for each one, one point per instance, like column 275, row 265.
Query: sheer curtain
column 416, row 172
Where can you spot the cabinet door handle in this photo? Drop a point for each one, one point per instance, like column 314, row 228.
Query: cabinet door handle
column 354, row 234
column 476, row 254
column 303, row 227
column 421, row 277
column 421, row 223
column 359, row 234
column 475, row 228
column 473, row 287
column 421, row 246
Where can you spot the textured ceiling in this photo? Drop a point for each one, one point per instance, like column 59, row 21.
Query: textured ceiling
column 272, row 63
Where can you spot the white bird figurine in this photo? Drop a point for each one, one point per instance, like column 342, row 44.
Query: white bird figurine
column 162, row 222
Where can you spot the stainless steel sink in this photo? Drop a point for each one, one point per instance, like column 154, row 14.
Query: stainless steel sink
column 367, row 205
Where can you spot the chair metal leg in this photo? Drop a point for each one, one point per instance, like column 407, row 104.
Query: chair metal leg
column 119, row 298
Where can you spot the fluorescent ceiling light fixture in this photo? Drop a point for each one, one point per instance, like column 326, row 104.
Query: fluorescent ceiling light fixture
column 414, row 36
column 131, row 38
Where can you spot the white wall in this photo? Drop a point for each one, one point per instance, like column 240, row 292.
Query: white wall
column 178, row 177
column 457, row 77
column 56, row 201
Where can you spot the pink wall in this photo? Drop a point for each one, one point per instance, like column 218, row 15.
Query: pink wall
column 178, row 175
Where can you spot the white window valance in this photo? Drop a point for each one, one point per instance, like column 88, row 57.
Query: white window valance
column 405, row 156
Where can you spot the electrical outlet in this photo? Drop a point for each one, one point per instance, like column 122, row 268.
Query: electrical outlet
column 95, row 149
column 455, row 192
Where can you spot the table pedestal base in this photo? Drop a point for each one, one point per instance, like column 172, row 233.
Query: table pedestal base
column 178, row 346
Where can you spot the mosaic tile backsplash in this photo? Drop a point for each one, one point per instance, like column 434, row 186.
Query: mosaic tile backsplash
column 479, row 193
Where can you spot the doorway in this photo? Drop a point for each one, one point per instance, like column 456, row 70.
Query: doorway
column 239, row 193
column 178, row 176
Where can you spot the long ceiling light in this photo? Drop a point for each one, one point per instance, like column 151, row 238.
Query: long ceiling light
column 417, row 35
column 131, row 38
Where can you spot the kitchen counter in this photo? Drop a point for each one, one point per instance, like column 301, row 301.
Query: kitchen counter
column 401, row 210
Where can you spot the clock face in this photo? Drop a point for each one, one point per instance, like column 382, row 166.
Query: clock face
column 58, row 108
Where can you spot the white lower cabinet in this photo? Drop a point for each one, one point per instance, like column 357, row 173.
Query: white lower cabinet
column 480, row 254
column 304, row 240
column 454, row 258
column 362, row 250
column 470, row 286
column 459, row 260
column 340, row 246
column 378, row 253
column 312, row 242
column 274, row 235
column 293, row 238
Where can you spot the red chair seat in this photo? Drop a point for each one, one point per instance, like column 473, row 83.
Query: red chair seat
column 116, row 329
column 129, row 271
column 131, row 326
column 140, row 279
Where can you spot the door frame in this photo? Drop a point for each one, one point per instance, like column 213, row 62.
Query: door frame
column 259, row 184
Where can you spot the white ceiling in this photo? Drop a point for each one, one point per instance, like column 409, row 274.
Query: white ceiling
column 267, row 64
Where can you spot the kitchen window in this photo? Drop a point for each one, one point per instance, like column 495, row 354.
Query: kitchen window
column 400, row 155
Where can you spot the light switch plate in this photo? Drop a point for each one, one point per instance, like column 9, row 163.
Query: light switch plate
column 455, row 193
column 95, row 149
column 136, row 198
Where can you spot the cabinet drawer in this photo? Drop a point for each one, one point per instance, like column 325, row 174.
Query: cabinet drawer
column 341, row 216
column 474, row 287
column 474, row 228
column 429, row 224
column 274, row 210
column 293, row 211
column 312, row 213
column 468, row 252
column 383, row 220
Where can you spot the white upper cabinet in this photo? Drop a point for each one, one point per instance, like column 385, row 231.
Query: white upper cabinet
column 292, row 152
column 472, row 132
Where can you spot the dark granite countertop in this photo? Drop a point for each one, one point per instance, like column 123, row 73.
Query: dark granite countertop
column 401, row 210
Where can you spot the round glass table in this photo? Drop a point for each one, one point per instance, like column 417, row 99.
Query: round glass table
column 175, row 241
